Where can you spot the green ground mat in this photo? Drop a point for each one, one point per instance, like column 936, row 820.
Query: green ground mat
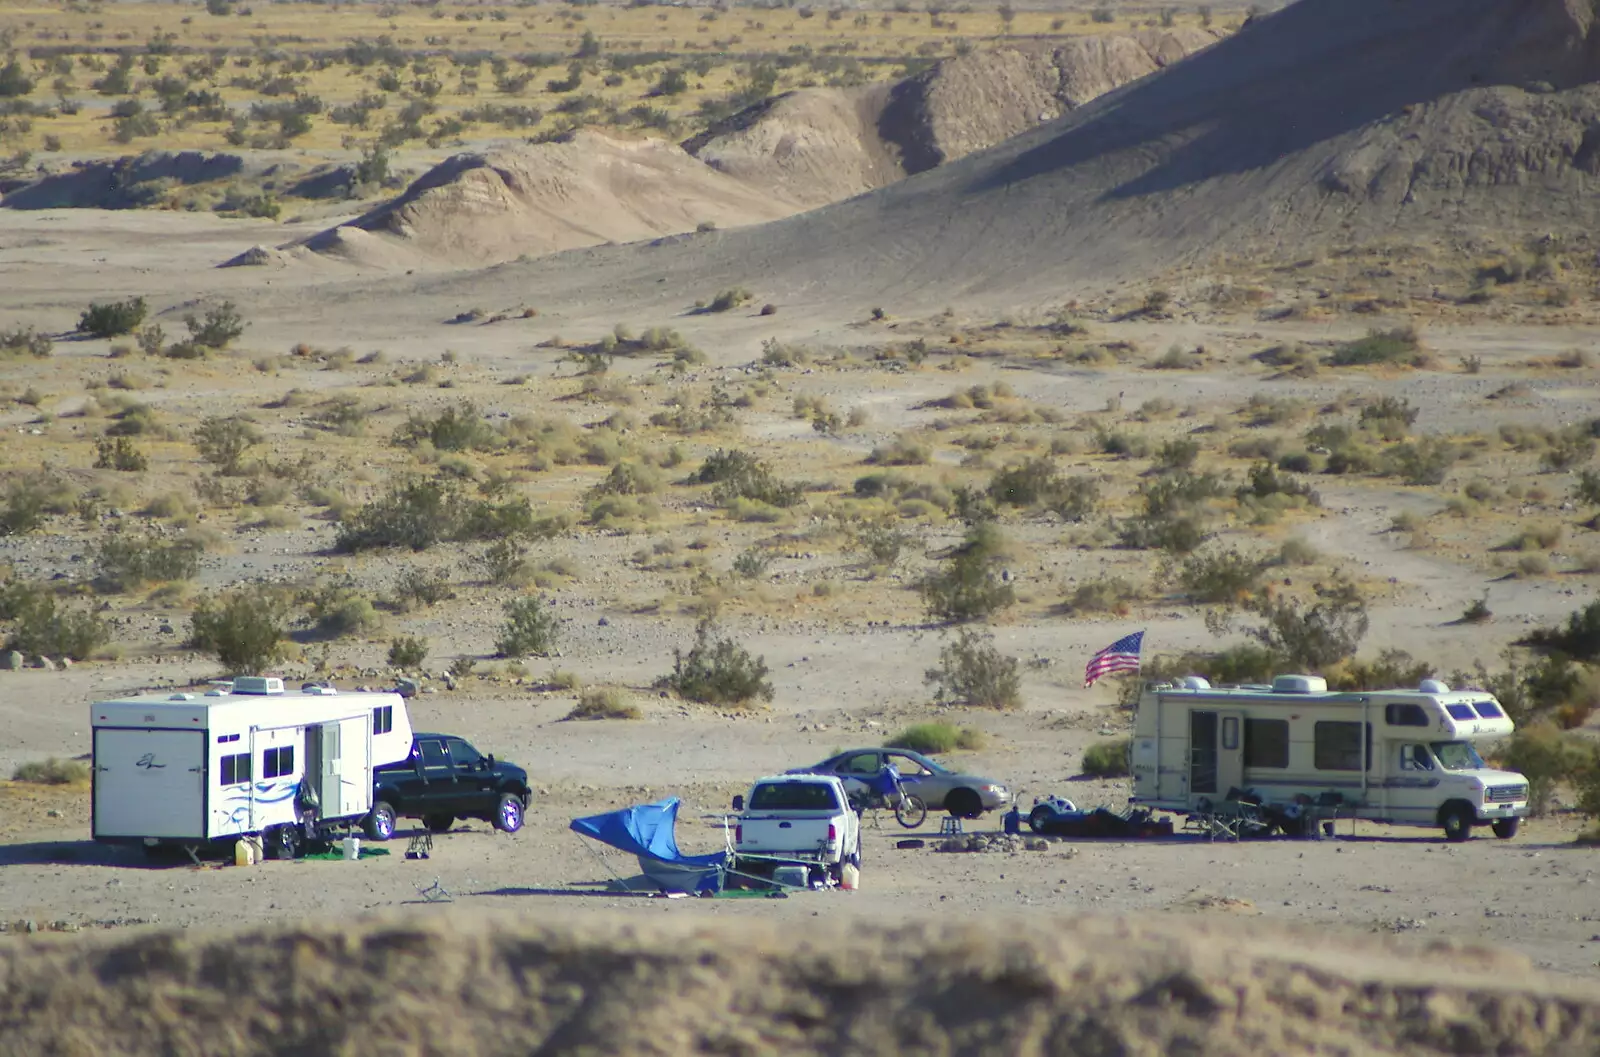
column 338, row 853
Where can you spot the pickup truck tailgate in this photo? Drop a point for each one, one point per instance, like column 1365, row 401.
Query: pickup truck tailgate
column 786, row 834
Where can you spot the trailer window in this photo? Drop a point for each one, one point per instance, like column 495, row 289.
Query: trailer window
column 383, row 719
column 1405, row 715
column 275, row 763
column 1341, row 746
column 236, row 769
column 1266, row 743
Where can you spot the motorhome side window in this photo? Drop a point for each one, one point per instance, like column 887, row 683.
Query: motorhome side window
column 383, row 719
column 1266, row 743
column 1341, row 746
column 275, row 763
column 1405, row 715
column 236, row 769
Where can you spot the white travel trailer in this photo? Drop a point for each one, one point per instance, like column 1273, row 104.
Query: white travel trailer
column 185, row 769
column 1403, row 757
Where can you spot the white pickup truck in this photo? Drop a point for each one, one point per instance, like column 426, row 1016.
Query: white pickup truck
column 797, row 818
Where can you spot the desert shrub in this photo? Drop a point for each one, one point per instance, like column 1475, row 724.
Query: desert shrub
column 1220, row 576
column 25, row 341
column 1424, row 462
column 1177, row 454
column 603, row 702
column 220, row 326
column 27, row 501
column 1037, row 483
column 883, row 545
column 740, row 475
column 1392, row 668
column 902, row 451
column 124, row 561
column 1579, row 639
column 717, row 671
column 1107, row 594
column 506, row 563
column 1547, row 757
column 1107, row 759
column 415, row 514
column 338, row 608
column 932, row 739
column 459, row 427
column 1390, row 417
column 52, row 771
column 1567, row 449
column 1400, row 345
column 40, row 626
column 136, row 420
column 729, row 299
column 408, row 652
column 530, row 628
column 119, row 453
column 1316, row 636
column 752, row 563
column 628, row 478
column 223, row 440
column 112, row 318
column 973, row 672
column 966, row 586
column 245, row 628
column 1171, row 520
column 1265, row 481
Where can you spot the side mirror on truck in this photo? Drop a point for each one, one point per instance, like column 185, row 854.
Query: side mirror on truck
column 738, row 803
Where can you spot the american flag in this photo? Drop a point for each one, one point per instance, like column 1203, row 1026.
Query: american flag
column 1120, row 656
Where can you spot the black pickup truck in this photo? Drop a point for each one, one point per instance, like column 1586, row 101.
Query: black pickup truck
column 442, row 780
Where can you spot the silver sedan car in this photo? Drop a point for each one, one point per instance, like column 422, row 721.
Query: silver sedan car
column 964, row 795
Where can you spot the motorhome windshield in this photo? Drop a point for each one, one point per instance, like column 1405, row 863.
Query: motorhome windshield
column 1458, row 756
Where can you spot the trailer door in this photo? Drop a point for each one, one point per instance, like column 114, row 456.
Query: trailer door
column 1230, row 751
column 1203, row 753
column 149, row 783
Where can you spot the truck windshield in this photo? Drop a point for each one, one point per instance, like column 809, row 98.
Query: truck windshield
column 1457, row 756
column 793, row 796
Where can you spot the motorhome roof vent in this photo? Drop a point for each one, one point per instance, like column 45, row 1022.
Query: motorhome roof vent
column 1299, row 684
column 181, row 697
column 216, row 693
column 256, row 685
column 319, row 690
column 1434, row 686
column 1195, row 682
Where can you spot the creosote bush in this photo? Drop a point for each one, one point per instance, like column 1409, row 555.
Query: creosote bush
column 717, row 671
column 1107, row 759
column 125, row 561
column 408, row 652
column 222, row 441
column 603, row 702
column 967, row 587
column 973, row 672
column 41, row 627
column 52, row 771
column 530, row 629
column 245, row 628
column 216, row 329
column 113, row 318
column 932, row 739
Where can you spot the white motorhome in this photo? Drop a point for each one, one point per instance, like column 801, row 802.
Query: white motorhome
column 1403, row 757
column 185, row 769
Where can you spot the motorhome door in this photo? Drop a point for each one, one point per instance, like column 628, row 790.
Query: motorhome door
column 1203, row 753
column 1230, row 751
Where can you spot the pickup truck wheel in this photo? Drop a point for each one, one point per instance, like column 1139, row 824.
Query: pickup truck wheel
column 964, row 803
column 1506, row 828
column 379, row 823
column 439, row 823
column 1457, row 822
column 508, row 813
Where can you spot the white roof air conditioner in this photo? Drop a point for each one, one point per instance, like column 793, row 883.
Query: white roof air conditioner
column 1299, row 684
column 257, row 685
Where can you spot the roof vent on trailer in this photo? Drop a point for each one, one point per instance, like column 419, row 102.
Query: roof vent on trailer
column 1194, row 682
column 1299, row 684
column 318, row 690
column 256, row 685
column 1434, row 686
column 181, row 697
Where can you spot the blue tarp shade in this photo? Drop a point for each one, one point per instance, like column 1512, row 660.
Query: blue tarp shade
column 648, row 831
